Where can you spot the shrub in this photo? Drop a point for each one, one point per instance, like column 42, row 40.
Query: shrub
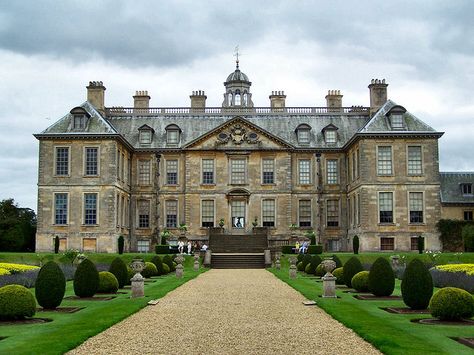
column 381, row 278
column 355, row 244
column 300, row 267
column 360, row 281
column 339, row 274
column 287, row 249
column 108, row 283
column 130, row 274
column 315, row 261
column 306, row 260
column 451, row 303
column 149, row 270
column 299, row 258
column 307, row 269
column 56, row 245
column 166, row 268
column 315, row 249
column 162, row 249
column 119, row 269
column 121, row 244
column 336, row 260
column 417, row 285
column 351, row 267
column 168, row 261
column 159, row 265
column 50, row 286
column 420, row 244
column 86, row 279
column 16, row 302
column 454, row 275
column 17, row 268
column 468, row 237
column 320, row 270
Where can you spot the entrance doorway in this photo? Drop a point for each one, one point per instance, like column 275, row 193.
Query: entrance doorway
column 238, row 214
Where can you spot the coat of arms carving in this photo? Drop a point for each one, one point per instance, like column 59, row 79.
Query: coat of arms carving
column 238, row 134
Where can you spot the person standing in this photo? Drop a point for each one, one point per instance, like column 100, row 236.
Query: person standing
column 189, row 247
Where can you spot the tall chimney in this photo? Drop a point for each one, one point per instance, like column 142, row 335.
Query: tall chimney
column 378, row 94
column 334, row 100
column 96, row 95
column 277, row 101
column 198, row 101
column 141, row 100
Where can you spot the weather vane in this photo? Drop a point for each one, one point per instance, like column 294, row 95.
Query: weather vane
column 236, row 55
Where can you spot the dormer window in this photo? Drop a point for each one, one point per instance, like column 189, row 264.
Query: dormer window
column 172, row 134
column 145, row 134
column 303, row 133
column 395, row 116
column 330, row 136
column 466, row 189
column 79, row 119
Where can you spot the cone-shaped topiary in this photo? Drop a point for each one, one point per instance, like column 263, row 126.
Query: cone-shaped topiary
column 420, row 244
column 320, row 270
column 336, row 260
column 168, row 261
column 355, row 244
column 159, row 264
column 307, row 268
column 86, row 279
column 50, row 286
column 313, row 264
column 119, row 269
column 108, row 283
column 360, row 281
column 16, row 302
column 351, row 267
column 56, row 245
column 451, row 303
column 121, row 244
column 339, row 274
column 417, row 285
column 149, row 270
column 299, row 266
column 306, row 260
column 381, row 278
column 300, row 257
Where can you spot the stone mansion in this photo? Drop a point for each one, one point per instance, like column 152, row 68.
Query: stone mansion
column 137, row 171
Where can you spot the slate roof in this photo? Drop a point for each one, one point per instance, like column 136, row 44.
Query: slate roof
column 451, row 187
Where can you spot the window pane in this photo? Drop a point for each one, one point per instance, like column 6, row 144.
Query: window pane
column 414, row 161
column 91, row 161
column 238, row 214
column 387, row 243
column 384, row 161
column 332, row 213
column 143, row 213
column 304, row 176
column 268, row 166
column 171, row 214
column 90, row 208
column 416, row 207
column 60, row 205
column 330, row 136
column 466, row 189
column 237, row 171
column 62, row 161
column 386, row 207
column 145, row 136
column 268, row 213
column 396, row 120
column 303, row 136
column 304, row 209
column 144, row 172
column 143, row 246
column 172, row 136
column 414, row 243
column 172, row 172
column 207, row 213
column 332, row 171
column 208, row 171
column 468, row 215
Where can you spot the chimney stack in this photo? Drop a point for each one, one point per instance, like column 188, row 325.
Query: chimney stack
column 198, row 101
column 96, row 95
column 141, row 100
column 277, row 101
column 378, row 94
column 334, row 100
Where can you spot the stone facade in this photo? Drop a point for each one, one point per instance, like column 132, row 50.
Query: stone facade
column 319, row 168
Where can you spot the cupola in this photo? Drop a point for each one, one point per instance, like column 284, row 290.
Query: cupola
column 237, row 89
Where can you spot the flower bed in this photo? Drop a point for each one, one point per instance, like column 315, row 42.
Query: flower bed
column 17, row 268
column 454, row 275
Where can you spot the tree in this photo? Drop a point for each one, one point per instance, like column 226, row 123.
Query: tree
column 17, row 227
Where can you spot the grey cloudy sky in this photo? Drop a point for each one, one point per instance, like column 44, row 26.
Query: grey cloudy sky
column 50, row 50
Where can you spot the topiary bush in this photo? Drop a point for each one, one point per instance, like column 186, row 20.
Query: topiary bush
column 468, row 237
column 299, row 258
column 162, row 249
column 166, row 269
column 119, row 269
column 130, row 275
column 121, row 244
column 287, row 249
column 420, row 244
column 306, row 260
column 86, row 279
column 50, row 286
column 313, row 264
column 336, row 260
column 360, row 281
column 417, row 285
column 381, row 278
column 320, row 270
column 451, row 303
column 351, row 267
column 307, row 269
column 159, row 265
column 355, row 244
column 315, row 249
column 168, row 261
column 339, row 274
column 108, row 283
column 16, row 302
column 149, row 270
column 300, row 267
column 56, row 245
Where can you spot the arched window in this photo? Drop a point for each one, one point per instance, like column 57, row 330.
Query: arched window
column 245, row 99
column 172, row 134
column 229, row 98
column 303, row 133
column 237, row 98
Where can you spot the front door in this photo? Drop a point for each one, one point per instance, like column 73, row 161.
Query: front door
column 238, row 214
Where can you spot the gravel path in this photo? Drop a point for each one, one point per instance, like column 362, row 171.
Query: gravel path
column 229, row 312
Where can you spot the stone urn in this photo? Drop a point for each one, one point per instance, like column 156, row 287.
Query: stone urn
column 292, row 267
column 138, row 281
column 179, row 268
column 329, row 265
column 329, row 280
column 196, row 262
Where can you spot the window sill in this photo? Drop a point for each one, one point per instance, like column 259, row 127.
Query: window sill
column 415, row 175
column 89, row 225
column 60, row 225
column 90, row 176
column 170, row 185
column 208, row 185
column 268, row 184
column 417, row 224
column 382, row 224
column 385, row 175
column 62, row 176
column 238, row 184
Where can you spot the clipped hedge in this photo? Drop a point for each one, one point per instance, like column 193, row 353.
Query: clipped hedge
column 16, row 302
column 287, row 249
column 351, row 267
column 50, row 286
column 162, row 249
column 454, row 275
column 339, row 274
column 119, row 269
column 381, row 278
column 313, row 264
column 468, row 237
column 149, row 270
column 315, row 249
column 306, row 260
column 417, row 285
column 168, row 261
column 450, row 233
column 300, row 266
column 360, row 281
column 336, row 260
column 299, row 258
column 108, row 283
column 159, row 265
column 451, row 303
column 86, row 279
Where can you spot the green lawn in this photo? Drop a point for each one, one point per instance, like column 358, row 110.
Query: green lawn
column 67, row 331
column 390, row 333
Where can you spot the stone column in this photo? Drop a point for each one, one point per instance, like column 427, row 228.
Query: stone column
column 268, row 258
column 179, row 268
column 207, row 258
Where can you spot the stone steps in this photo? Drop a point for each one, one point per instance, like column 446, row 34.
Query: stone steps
column 238, row 261
column 238, row 243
